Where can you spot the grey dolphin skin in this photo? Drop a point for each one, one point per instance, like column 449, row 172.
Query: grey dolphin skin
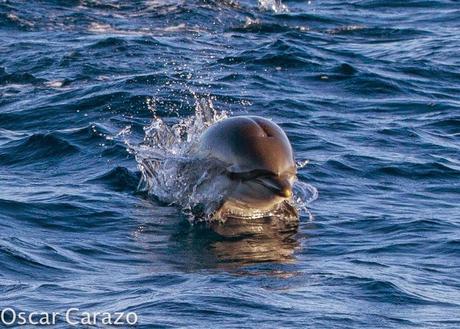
column 259, row 162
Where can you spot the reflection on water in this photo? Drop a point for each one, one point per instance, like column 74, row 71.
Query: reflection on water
column 247, row 241
column 176, row 244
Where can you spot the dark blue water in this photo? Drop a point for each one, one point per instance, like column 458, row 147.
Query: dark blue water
column 368, row 91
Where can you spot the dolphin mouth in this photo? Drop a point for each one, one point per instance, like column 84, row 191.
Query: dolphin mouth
column 279, row 185
column 257, row 195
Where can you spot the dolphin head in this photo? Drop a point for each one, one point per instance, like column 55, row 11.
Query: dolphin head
column 260, row 162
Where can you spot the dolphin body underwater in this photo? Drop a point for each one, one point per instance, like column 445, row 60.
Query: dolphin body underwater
column 259, row 167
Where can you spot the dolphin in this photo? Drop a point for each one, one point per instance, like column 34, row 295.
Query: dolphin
column 258, row 164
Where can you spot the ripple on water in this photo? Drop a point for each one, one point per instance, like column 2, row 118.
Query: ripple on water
column 367, row 91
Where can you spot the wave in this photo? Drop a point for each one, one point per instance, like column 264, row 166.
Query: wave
column 367, row 90
column 35, row 148
column 427, row 170
column 14, row 255
column 12, row 20
column 118, row 179
column 279, row 53
column 259, row 26
column 402, row 4
column 373, row 34
column 18, row 78
column 62, row 213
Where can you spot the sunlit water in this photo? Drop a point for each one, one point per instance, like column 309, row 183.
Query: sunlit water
column 367, row 92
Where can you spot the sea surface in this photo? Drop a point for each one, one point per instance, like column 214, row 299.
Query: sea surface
column 368, row 93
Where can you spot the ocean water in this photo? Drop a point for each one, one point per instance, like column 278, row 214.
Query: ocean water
column 368, row 93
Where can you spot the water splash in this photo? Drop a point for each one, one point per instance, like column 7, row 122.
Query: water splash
column 170, row 171
column 173, row 174
column 274, row 5
column 304, row 195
